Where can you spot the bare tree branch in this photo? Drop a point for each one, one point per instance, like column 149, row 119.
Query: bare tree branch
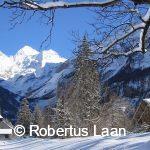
column 144, row 33
column 134, row 29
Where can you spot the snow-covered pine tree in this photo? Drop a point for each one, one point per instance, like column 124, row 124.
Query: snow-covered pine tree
column 37, row 117
column 62, row 114
column 24, row 116
column 86, row 93
column 63, row 117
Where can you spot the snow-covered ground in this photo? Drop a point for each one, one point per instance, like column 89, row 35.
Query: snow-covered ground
column 130, row 142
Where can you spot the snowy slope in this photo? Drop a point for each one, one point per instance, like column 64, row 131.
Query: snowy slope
column 51, row 84
column 138, row 61
column 114, row 67
column 130, row 142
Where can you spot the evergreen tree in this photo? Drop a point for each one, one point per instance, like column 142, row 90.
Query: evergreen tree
column 63, row 119
column 24, row 116
column 62, row 114
column 37, row 117
column 86, row 93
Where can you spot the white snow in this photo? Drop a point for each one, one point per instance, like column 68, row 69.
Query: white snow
column 52, row 4
column 130, row 142
column 48, row 5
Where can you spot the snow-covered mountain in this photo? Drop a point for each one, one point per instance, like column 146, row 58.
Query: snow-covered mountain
column 32, row 74
column 27, row 60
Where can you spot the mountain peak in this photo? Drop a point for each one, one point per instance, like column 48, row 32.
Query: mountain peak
column 51, row 56
column 27, row 50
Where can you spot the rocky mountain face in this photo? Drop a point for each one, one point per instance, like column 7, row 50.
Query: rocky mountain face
column 36, row 75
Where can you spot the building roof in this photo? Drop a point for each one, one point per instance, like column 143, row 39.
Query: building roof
column 147, row 100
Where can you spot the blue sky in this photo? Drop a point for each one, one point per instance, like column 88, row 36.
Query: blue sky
column 32, row 33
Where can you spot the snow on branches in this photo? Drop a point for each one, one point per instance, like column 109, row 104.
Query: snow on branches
column 31, row 5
